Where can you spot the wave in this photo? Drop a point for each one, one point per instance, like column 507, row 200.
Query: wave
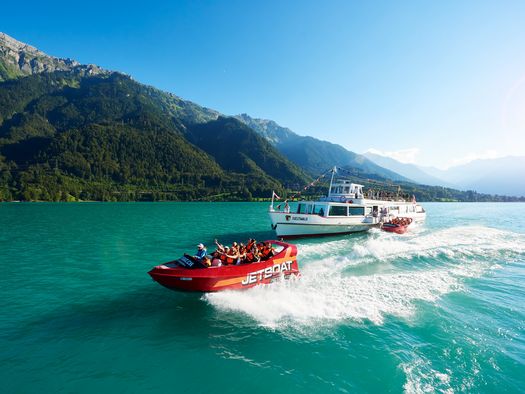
column 422, row 378
column 452, row 242
column 327, row 294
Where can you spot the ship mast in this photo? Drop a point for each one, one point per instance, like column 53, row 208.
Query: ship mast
column 334, row 170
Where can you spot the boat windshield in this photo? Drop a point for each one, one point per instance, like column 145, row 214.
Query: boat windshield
column 188, row 261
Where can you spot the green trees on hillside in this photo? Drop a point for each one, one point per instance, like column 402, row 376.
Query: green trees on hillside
column 109, row 138
column 68, row 137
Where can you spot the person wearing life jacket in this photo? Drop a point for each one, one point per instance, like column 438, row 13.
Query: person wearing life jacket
column 250, row 243
column 216, row 259
column 231, row 255
column 220, row 247
column 267, row 251
column 242, row 254
column 222, row 256
column 250, row 251
column 250, row 257
column 259, row 248
column 271, row 249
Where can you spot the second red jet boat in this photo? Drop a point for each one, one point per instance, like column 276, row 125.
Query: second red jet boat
column 397, row 225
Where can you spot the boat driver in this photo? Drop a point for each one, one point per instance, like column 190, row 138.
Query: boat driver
column 201, row 253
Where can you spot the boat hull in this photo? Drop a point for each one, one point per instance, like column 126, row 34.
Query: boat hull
column 287, row 225
column 288, row 231
column 394, row 229
column 231, row 277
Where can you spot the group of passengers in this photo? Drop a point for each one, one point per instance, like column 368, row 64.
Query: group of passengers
column 237, row 253
column 401, row 221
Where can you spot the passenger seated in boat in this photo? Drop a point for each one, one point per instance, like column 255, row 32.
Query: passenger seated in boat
column 216, row 259
column 231, row 256
column 242, row 254
column 401, row 221
column 220, row 247
column 271, row 249
column 267, row 251
column 222, row 255
column 251, row 251
column 252, row 255
column 259, row 248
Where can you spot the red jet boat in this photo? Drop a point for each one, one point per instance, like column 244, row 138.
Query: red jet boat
column 190, row 275
column 397, row 225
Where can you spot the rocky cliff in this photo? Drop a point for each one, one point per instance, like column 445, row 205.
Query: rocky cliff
column 20, row 59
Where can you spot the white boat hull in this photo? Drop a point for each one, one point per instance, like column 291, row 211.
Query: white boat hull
column 288, row 225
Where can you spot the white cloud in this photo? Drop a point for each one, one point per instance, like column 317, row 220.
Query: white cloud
column 404, row 155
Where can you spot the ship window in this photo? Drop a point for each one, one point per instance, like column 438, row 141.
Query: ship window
column 347, row 189
column 302, row 208
column 338, row 210
column 318, row 208
column 356, row 210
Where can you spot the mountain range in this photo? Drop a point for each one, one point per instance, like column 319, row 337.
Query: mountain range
column 314, row 155
column 78, row 132
column 501, row 176
column 411, row 171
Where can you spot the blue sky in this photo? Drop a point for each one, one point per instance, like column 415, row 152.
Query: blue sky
column 436, row 82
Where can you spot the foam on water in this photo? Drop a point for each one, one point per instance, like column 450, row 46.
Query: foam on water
column 326, row 294
column 322, row 296
column 453, row 242
column 422, row 378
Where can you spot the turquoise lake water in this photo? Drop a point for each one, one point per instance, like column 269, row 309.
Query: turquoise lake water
column 439, row 309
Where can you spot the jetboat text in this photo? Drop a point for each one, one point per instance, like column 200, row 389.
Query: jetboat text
column 254, row 277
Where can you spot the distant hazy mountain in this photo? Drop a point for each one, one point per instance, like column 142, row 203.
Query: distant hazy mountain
column 434, row 172
column 410, row 171
column 313, row 155
column 503, row 176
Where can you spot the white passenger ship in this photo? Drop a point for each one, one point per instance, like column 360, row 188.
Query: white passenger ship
column 346, row 209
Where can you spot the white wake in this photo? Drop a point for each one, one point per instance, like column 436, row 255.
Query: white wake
column 327, row 293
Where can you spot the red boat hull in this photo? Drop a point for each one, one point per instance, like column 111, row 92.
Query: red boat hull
column 397, row 227
column 230, row 277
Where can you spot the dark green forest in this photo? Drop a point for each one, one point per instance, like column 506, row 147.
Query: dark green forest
column 66, row 136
